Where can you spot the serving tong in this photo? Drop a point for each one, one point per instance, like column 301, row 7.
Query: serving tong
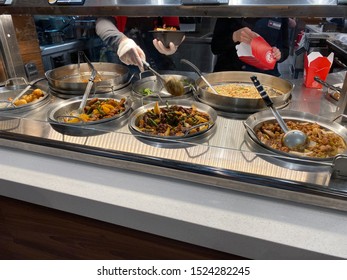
column 89, row 86
column 331, row 87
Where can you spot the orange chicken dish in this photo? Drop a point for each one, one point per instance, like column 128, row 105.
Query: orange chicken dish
column 28, row 98
column 98, row 109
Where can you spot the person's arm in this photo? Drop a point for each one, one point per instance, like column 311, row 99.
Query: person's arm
column 222, row 40
column 127, row 50
column 108, row 32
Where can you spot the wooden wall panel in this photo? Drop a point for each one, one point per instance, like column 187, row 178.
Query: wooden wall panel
column 27, row 41
column 29, row 231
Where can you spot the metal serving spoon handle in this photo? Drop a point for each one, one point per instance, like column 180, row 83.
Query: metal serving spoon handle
column 197, row 70
column 269, row 103
column 293, row 139
column 18, row 96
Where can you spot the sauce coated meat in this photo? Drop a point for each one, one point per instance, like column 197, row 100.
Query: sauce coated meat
column 98, row 109
column 323, row 143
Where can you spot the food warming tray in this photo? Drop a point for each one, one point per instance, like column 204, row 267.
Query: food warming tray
column 6, row 93
column 159, row 93
column 72, row 79
column 184, row 103
column 242, row 105
column 64, row 108
column 254, row 121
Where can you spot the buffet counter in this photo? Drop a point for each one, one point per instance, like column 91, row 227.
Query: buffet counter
column 217, row 192
column 243, row 224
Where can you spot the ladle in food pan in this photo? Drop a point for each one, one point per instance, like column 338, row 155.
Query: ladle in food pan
column 197, row 70
column 293, row 139
column 19, row 95
column 171, row 84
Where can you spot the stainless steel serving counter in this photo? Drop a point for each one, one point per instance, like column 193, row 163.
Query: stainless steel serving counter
column 224, row 158
column 144, row 190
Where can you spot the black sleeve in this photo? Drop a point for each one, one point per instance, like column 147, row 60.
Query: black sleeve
column 283, row 40
column 222, row 40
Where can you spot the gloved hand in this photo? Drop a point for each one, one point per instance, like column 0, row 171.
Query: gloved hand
column 163, row 50
column 130, row 53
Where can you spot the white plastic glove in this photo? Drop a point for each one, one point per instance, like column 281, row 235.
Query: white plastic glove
column 162, row 49
column 130, row 53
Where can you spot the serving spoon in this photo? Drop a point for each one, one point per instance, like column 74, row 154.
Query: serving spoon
column 293, row 139
column 172, row 84
column 197, row 70
column 19, row 95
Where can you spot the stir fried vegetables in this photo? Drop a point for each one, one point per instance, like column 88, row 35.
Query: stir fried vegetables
column 187, row 86
column 323, row 143
column 98, row 109
column 146, row 91
column 173, row 120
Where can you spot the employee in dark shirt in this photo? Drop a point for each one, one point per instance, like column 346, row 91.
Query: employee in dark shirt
column 229, row 32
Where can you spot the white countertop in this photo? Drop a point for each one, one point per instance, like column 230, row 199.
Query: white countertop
column 242, row 224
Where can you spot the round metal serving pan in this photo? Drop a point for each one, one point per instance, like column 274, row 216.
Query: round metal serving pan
column 184, row 103
column 253, row 122
column 5, row 94
column 242, row 105
column 70, row 79
column 92, row 128
column 159, row 92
